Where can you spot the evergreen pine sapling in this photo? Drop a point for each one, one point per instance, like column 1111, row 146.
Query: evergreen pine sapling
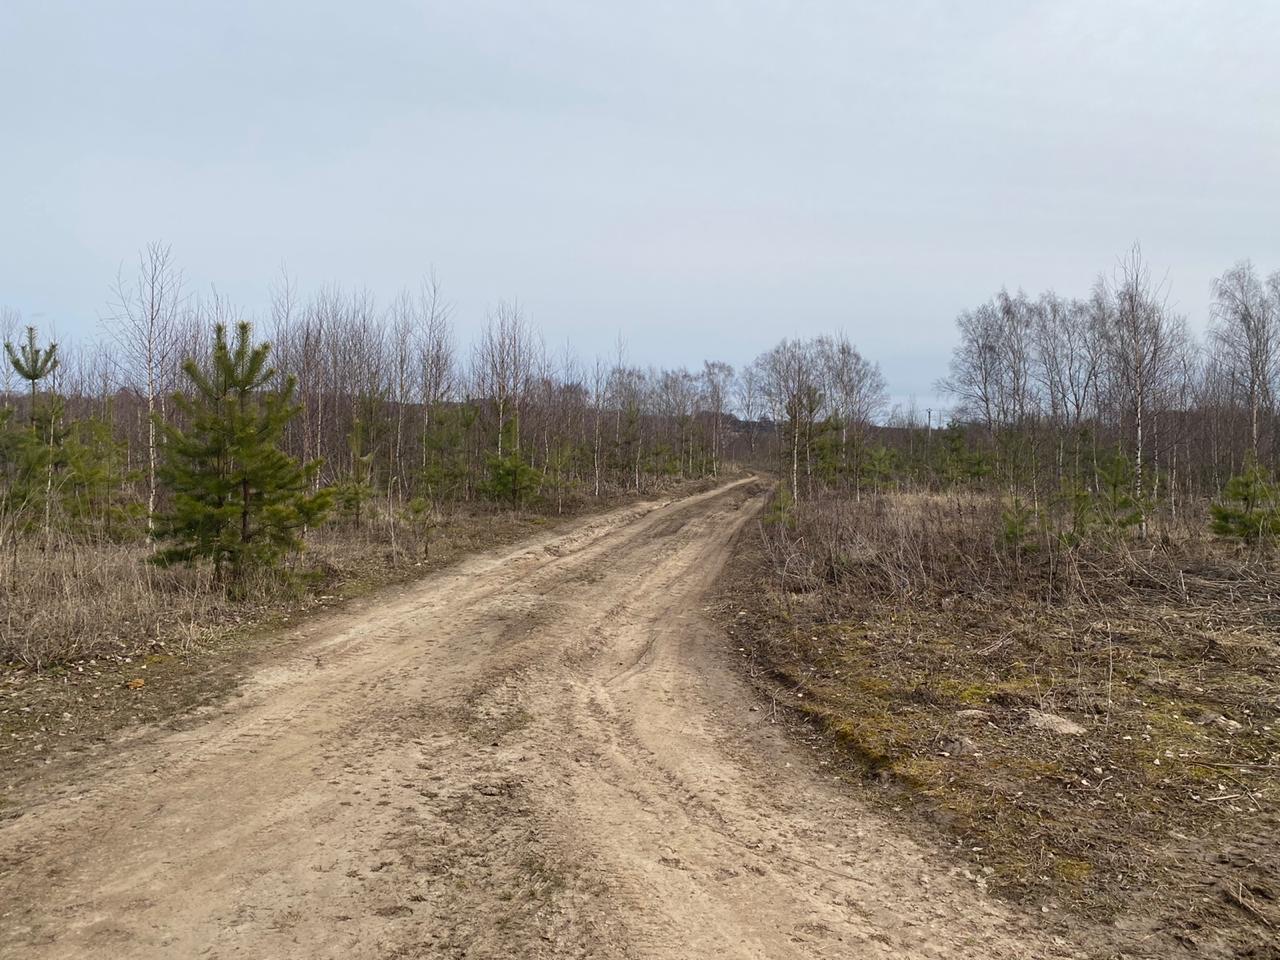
column 445, row 473
column 239, row 501
column 24, row 463
column 1017, row 526
column 1117, row 506
column 33, row 364
column 557, row 478
column 357, row 490
column 829, row 451
column 96, row 496
column 1250, row 508
column 511, row 478
column 879, row 466
column 1077, row 504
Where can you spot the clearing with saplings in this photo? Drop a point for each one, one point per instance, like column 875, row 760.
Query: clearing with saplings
column 754, row 480
column 402, row 650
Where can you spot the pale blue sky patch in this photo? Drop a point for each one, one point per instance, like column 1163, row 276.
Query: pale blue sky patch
column 703, row 177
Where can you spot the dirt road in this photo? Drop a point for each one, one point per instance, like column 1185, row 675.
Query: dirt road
column 542, row 752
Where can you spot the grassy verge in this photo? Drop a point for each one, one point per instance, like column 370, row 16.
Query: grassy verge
column 1113, row 753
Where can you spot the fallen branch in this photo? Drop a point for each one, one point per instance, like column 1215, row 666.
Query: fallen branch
column 1238, row 898
column 1247, row 791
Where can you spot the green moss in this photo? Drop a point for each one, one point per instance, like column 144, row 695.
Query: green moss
column 1072, row 870
column 877, row 740
column 1174, row 733
column 976, row 693
column 872, row 686
column 927, row 774
column 1025, row 768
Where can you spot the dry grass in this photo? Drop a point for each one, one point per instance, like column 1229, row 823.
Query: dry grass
column 74, row 602
column 77, row 602
column 926, row 649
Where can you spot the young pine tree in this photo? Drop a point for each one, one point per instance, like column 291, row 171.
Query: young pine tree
column 446, row 472
column 96, row 483
column 879, row 467
column 357, row 489
column 238, row 499
column 24, row 465
column 1018, row 526
column 32, row 364
column 1116, row 506
column 1250, row 507
column 511, row 478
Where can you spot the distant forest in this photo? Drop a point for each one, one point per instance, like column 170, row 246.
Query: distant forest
column 390, row 413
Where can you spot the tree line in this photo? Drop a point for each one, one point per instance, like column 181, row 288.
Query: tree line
column 1066, row 396
column 383, row 417
column 329, row 405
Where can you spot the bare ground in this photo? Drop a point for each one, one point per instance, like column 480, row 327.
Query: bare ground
column 543, row 751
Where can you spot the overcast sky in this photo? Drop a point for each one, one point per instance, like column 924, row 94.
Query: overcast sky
column 704, row 178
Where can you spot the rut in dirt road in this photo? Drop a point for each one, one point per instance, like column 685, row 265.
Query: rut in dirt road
column 542, row 752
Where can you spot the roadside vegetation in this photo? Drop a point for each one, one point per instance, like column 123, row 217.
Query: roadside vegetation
column 193, row 467
column 1049, row 630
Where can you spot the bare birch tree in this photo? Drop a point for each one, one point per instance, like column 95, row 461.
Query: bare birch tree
column 145, row 313
column 1246, row 331
column 502, row 362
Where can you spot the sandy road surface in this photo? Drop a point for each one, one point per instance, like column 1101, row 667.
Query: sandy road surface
column 541, row 752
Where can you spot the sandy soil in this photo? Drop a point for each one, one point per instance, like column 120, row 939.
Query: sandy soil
column 543, row 751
